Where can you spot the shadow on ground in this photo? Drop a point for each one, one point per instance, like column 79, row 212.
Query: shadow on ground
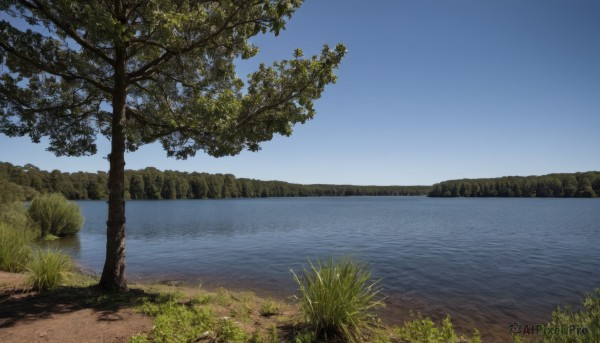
column 19, row 306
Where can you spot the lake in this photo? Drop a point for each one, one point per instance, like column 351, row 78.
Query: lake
column 486, row 261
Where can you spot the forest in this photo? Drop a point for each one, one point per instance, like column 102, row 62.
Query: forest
column 572, row 185
column 24, row 182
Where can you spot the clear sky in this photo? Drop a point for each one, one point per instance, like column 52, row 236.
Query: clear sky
column 429, row 90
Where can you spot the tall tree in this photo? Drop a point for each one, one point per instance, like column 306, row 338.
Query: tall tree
column 167, row 69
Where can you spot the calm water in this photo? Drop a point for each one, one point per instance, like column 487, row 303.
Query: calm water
column 487, row 262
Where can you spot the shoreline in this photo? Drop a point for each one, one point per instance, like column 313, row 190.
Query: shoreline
column 398, row 305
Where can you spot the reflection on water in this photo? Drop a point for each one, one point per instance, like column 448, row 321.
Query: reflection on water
column 69, row 244
column 487, row 262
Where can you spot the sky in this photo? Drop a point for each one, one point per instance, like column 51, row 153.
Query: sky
column 429, row 90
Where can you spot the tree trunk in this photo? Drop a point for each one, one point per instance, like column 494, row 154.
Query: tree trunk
column 113, row 275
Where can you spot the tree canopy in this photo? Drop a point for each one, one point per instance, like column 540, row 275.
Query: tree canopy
column 179, row 74
column 151, row 183
column 568, row 185
column 142, row 71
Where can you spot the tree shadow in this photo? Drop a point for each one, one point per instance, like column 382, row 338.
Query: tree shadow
column 25, row 306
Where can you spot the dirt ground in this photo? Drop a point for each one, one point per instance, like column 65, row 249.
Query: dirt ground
column 69, row 315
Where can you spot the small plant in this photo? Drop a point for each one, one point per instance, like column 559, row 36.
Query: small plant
column 269, row 308
column 223, row 297
column 56, row 215
column 423, row 329
column 337, row 299
column 176, row 322
column 141, row 338
column 15, row 216
column 15, row 249
column 48, row 269
column 201, row 299
column 305, row 336
column 273, row 335
column 584, row 324
column 230, row 332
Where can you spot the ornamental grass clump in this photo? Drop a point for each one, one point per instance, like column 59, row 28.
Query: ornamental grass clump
column 15, row 247
column 338, row 299
column 56, row 215
column 48, row 269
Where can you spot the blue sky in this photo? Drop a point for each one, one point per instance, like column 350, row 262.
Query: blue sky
column 430, row 90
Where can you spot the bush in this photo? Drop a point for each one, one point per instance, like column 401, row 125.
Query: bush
column 48, row 269
column 15, row 215
column 588, row 319
column 337, row 299
column 56, row 215
column 15, row 249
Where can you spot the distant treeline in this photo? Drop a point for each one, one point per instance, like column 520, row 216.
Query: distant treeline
column 575, row 185
column 24, row 182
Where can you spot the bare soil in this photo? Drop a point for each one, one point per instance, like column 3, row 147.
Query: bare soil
column 70, row 314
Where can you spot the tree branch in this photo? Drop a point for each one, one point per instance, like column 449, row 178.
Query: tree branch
column 48, row 69
column 66, row 27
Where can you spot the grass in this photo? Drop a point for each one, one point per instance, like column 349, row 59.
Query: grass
column 423, row 329
column 270, row 308
column 15, row 247
column 48, row 269
column 56, row 215
column 229, row 331
column 338, row 299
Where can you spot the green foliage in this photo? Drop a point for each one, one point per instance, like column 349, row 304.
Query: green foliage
column 424, row 330
column 151, row 183
column 15, row 249
column 172, row 61
column 201, row 299
column 141, row 338
column 56, row 215
column 273, row 335
column 587, row 318
column 583, row 185
column 15, row 215
column 48, row 269
column 337, row 299
column 305, row 336
column 176, row 322
column 228, row 331
column 269, row 308
column 476, row 337
column 223, row 297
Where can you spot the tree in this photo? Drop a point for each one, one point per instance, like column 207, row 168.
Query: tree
column 167, row 69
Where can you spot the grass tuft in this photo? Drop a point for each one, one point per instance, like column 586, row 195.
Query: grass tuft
column 270, row 308
column 48, row 269
column 338, row 298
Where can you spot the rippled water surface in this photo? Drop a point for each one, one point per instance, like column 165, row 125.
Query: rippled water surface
column 488, row 262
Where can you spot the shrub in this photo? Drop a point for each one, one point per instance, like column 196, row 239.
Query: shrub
column 587, row 318
column 15, row 249
column 337, row 299
column 47, row 268
column 56, row 215
column 15, row 215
